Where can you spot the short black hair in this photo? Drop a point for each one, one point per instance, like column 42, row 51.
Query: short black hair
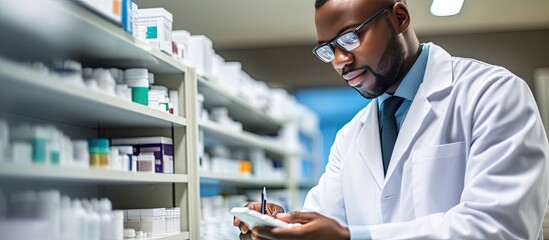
column 319, row 3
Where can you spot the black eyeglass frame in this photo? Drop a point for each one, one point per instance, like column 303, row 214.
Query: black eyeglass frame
column 333, row 42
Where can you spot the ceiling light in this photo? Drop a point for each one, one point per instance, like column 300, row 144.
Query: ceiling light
column 444, row 8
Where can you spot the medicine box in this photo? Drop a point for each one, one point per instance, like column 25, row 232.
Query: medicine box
column 133, row 219
column 161, row 147
column 153, row 221
column 158, row 23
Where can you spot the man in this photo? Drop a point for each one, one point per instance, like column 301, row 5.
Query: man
column 449, row 148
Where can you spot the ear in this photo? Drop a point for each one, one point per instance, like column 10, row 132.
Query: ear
column 402, row 15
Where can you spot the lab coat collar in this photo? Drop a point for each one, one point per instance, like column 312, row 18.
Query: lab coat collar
column 369, row 145
column 437, row 83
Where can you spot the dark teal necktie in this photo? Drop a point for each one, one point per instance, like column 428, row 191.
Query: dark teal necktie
column 388, row 132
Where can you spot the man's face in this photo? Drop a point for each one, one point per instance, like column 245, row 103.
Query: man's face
column 378, row 63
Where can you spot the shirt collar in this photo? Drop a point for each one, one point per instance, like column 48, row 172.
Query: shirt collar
column 410, row 84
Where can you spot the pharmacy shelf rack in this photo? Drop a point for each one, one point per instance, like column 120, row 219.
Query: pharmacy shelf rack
column 230, row 137
column 241, row 180
column 28, row 92
column 65, row 29
column 81, row 175
column 179, row 236
column 251, row 118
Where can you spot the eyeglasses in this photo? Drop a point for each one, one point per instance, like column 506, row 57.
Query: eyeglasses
column 347, row 41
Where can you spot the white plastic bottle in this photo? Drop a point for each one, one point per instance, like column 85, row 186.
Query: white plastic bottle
column 22, row 205
column 81, row 220
column 94, row 224
column 67, row 222
column 106, row 219
column 47, row 208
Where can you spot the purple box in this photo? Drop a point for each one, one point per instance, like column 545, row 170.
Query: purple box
column 161, row 147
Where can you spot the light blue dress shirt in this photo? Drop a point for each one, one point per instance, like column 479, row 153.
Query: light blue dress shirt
column 408, row 87
column 407, row 90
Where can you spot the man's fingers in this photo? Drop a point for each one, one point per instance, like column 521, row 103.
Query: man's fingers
column 236, row 222
column 245, row 236
column 244, row 227
column 273, row 209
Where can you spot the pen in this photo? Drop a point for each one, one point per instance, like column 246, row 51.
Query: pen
column 264, row 201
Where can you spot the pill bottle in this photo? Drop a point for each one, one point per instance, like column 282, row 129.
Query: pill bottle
column 138, row 80
column 99, row 152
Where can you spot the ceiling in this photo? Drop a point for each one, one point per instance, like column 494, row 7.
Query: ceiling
column 246, row 24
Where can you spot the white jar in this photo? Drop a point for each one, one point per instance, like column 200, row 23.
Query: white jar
column 138, row 80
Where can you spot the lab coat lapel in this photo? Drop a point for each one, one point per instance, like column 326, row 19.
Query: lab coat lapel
column 369, row 145
column 437, row 82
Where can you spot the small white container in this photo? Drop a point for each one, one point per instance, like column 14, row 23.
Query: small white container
column 138, row 80
column 135, row 16
column 118, row 225
column 21, row 152
column 201, row 55
column 230, row 81
column 105, row 81
column 81, row 154
column 158, row 23
column 145, row 162
column 69, row 71
column 182, row 39
column 174, row 99
column 48, row 208
column 107, row 221
column 115, row 161
column 124, row 92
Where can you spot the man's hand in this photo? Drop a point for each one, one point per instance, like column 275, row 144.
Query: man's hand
column 314, row 227
column 245, row 233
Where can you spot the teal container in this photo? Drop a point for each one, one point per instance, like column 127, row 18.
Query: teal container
column 99, row 146
column 140, row 95
column 39, row 150
column 138, row 80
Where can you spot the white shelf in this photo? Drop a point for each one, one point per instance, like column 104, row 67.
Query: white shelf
column 179, row 236
column 252, row 119
column 28, row 92
column 241, row 180
column 65, row 29
column 51, row 173
column 216, row 132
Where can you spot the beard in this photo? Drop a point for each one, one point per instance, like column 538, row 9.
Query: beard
column 389, row 71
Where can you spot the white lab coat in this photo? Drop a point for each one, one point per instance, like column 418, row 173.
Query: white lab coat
column 470, row 161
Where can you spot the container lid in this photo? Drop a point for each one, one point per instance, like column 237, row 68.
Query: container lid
column 125, row 141
column 162, row 89
column 142, row 82
column 142, row 140
column 136, row 73
column 125, row 149
column 98, row 143
column 155, row 12
column 155, row 140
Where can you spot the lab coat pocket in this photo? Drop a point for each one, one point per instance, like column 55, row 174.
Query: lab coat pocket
column 437, row 177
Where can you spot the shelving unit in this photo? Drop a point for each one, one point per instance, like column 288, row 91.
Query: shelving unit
column 28, row 92
column 78, row 175
column 239, row 110
column 65, row 30
column 215, row 132
column 57, row 30
column 242, row 181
